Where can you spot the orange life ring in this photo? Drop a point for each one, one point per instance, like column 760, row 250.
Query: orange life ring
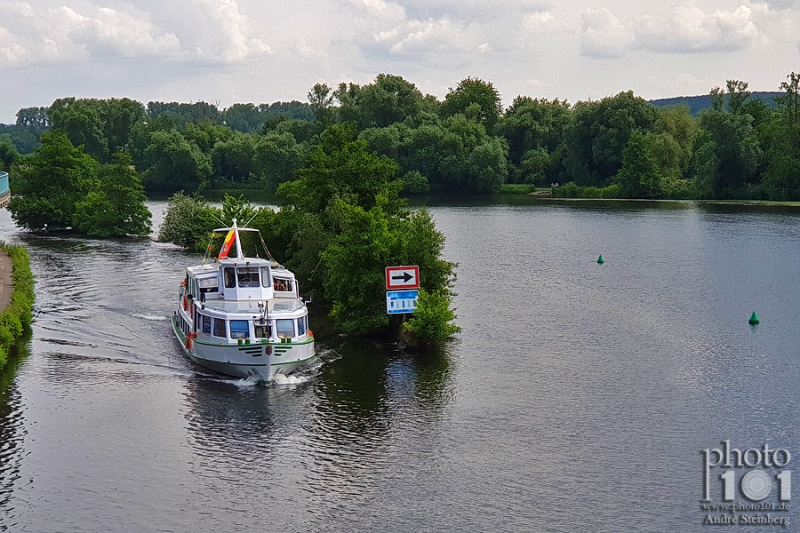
column 185, row 303
column 189, row 338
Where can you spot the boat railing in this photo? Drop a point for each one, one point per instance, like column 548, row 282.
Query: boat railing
column 5, row 191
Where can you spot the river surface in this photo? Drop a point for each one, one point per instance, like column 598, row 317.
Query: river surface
column 579, row 396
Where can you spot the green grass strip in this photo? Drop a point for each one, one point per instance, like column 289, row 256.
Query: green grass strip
column 16, row 318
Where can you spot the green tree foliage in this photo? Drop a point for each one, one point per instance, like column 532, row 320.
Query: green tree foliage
column 782, row 177
column 80, row 120
column 247, row 118
column 173, row 163
column 277, row 157
column 33, row 117
column 432, row 321
column 599, row 132
column 341, row 223
column 533, row 124
column 733, row 141
column 187, row 222
column 115, row 205
column 49, row 184
column 639, row 176
column 181, row 114
column 234, row 159
column 320, row 98
column 389, row 100
column 8, row 154
column 339, row 166
column 476, row 97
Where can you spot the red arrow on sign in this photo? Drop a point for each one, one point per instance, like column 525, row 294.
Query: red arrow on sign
column 402, row 277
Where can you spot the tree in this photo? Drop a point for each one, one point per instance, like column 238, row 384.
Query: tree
column 734, row 143
column 33, row 117
column 339, row 167
column 246, row 118
column 115, row 207
column 639, row 176
column 389, row 100
column 174, row 163
column 343, row 222
column 8, row 154
column 234, row 160
column 80, row 119
column 599, row 132
column 50, row 184
column 471, row 92
column 276, row 158
column 320, row 98
column 187, row 222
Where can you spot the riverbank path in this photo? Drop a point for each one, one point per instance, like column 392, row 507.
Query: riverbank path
column 6, row 285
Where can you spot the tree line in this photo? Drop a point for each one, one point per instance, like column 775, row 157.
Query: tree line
column 619, row 146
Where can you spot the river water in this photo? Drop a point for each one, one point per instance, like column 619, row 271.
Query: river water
column 579, row 396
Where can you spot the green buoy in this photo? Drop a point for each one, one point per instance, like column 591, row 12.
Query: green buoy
column 600, row 260
column 754, row 319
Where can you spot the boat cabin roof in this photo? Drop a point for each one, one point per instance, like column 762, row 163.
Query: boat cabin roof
column 251, row 306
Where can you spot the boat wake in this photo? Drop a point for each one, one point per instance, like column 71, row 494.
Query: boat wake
column 156, row 318
column 290, row 380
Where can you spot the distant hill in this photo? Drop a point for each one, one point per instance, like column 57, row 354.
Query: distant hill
column 698, row 103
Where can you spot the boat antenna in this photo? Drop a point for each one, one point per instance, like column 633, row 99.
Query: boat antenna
column 251, row 219
column 215, row 217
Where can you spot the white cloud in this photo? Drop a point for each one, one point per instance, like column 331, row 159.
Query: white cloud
column 432, row 37
column 690, row 30
column 48, row 35
column 603, row 35
column 230, row 27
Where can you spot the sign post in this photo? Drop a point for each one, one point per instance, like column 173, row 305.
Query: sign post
column 402, row 289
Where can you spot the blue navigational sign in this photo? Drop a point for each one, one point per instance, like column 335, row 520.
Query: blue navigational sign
column 400, row 302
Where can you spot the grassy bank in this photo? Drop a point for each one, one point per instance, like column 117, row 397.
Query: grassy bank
column 16, row 318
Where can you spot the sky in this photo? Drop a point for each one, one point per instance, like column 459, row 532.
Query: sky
column 263, row 51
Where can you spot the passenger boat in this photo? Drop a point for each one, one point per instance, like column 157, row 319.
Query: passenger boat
column 243, row 316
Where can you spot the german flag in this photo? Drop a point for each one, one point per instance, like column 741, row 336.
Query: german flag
column 226, row 245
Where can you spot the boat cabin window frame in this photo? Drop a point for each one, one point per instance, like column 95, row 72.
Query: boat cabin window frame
column 208, row 284
column 301, row 326
column 248, row 277
column 281, row 327
column 219, row 328
column 239, row 332
column 206, row 324
column 266, row 282
column 229, row 275
column 282, row 284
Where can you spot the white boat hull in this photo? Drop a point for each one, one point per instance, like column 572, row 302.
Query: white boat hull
column 261, row 360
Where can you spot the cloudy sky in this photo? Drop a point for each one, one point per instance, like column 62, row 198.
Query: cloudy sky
column 228, row 51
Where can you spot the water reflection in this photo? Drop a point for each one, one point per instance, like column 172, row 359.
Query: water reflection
column 12, row 434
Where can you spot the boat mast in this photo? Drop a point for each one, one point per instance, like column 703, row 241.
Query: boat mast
column 239, row 254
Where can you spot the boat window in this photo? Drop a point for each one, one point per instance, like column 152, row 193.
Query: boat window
column 262, row 332
column 265, row 277
column 209, row 284
column 301, row 326
column 207, row 324
column 239, row 329
column 285, row 327
column 230, row 277
column 280, row 284
column 219, row 327
column 248, row 277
